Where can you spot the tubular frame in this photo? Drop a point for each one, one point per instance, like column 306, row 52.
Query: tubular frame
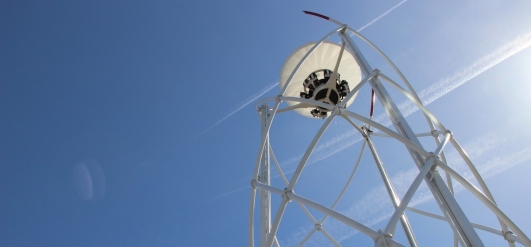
column 426, row 161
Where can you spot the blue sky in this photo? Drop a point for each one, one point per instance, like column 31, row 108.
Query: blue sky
column 154, row 99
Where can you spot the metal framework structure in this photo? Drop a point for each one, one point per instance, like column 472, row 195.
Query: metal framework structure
column 427, row 161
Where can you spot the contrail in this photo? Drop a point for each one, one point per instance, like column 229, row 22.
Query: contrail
column 253, row 98
column 244, row 104
column 341, row 138
column 450, row 83
column 368, row 211
column 382, row 15
column 428, row 95
column 374, row 207
column 432, row 93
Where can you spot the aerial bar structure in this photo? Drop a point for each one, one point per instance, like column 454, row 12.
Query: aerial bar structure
column 321, row 80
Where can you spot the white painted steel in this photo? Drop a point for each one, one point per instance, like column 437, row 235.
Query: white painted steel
column 307, row 101
column 474, row 171
column 390, row 189
column 446, row 201
column 354, row 91
column 417, row 135
column 309, row 151
column 338, row 198
column 480, row 180
column 303, row 241
column 338, row 216
column 330, row 238
column 332, row 213
column 477, row 226
column 276, row 223
column 275, row 241
column 264, row 177
column 487, row 202
column 278, row 166
column 392, row 195
column 407, row 197
column 388, row 131
column 348, row 181
column 415, row 95
column 308, row 214
column 431, row 120
column 296, row 175
column 263, row 139
column 251, row 216
column 425, row 161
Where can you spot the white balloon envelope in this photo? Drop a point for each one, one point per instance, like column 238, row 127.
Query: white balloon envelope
column 323, row 57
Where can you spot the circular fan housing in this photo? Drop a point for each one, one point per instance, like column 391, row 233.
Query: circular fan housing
column 322, row 58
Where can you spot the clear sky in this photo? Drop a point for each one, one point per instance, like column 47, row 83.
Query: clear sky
column 132, row 123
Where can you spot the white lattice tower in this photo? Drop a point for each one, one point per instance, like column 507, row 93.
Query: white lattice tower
column 428, row 162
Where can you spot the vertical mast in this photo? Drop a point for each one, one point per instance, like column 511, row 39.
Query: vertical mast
column 264, row 178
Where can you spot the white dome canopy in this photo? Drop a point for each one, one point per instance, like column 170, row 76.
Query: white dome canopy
column 323, row 57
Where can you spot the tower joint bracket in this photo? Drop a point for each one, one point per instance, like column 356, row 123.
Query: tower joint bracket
column 449, row 132
column 382, row 238
column 434, row 156
column 343, row 29
column 366, row 131
column 505, row 233
column 286, row 193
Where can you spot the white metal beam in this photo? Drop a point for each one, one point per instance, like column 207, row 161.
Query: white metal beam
column 449, row 206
